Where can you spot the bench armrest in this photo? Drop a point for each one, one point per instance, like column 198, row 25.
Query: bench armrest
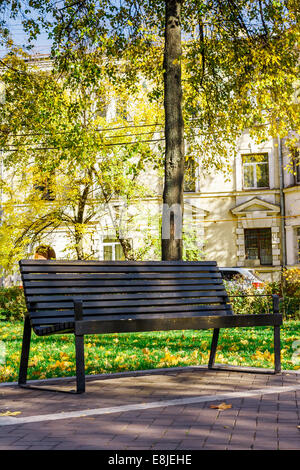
column 275, row 299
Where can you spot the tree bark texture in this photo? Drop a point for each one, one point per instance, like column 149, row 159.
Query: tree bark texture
column 174, row 133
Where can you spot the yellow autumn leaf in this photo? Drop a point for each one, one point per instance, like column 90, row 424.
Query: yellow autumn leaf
column 34, row 361
column 222, row 406
column 10, row 413
column 63, row 355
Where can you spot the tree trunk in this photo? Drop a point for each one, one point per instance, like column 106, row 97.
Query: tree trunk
column 126, row 247
column 79, row 220
column 172, row 215
column 79, row 245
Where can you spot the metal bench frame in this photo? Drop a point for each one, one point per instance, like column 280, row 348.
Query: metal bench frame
column 207, row 312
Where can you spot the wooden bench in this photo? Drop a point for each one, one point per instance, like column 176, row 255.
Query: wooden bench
column 96, row 297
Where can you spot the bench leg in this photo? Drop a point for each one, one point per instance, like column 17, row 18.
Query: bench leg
column 80, row 372
column 213, row 348
column 25, row 352
column 277, row 359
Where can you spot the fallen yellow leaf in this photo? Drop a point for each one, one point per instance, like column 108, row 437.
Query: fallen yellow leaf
column 10, row 413
column 222, row 406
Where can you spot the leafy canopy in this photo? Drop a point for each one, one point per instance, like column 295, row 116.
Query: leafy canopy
column 240, row 59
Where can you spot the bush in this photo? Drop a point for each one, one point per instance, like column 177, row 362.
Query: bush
column 291, row 292
column 288, row 291
column 12, row 303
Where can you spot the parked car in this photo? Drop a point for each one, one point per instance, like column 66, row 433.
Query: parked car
column 241, row 277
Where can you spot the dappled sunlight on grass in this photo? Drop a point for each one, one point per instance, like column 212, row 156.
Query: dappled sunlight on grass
column 54, row 356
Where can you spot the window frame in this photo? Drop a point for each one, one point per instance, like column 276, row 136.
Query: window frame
column 258, row 239
column 297, row 235
column 254, row 165
column 296, row 166
column 113, row 243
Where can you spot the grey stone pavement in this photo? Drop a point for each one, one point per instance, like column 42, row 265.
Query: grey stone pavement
column 168, row 409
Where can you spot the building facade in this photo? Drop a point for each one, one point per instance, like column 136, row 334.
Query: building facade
column 249, row 219
column 253, row 219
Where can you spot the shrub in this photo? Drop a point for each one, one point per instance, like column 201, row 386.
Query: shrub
column 246, row 300
column 288, row 290
column 12, row 303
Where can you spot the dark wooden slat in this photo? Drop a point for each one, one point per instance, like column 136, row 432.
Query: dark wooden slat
column 120, row 279
column 132, row 303
column 90, row 311
column 82, row 291
column 122, row 275
column 194, row 323
column 30, row 262
column 128, row 297
column 129, row 317
column 123, row 285
column 64, row 328
column 61, row 314
column 116, row 269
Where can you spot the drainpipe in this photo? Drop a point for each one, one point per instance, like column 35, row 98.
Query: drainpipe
column 282, row 203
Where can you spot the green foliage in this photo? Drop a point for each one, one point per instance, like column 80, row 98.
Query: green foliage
column 240, row 70
column 151, row 243
column 253, row 300
column 54, row 356
column 240, row 60
column 82, row 165
column 12, row 303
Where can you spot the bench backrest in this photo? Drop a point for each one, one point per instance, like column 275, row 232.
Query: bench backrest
column 122, row 289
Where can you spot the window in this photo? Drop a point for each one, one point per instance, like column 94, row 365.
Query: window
column 112, row 250
column 255, row 170
column 122, row 109
column 258, row 245
column 296, row 165
column 102, row 107
column 189, row 185
column 298, row 244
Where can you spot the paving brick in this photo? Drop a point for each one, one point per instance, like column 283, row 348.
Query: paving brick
column 239, row 447
column 190, row 444
column 165, row 446
column 215, row 447
column 41, row 447
column 261, row 422
column 14, row 447
column 265, row 446
column 6, row 440
column 290, row 444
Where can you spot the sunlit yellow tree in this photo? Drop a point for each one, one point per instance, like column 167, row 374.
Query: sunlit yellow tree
column 219, row 66
column 64, row 160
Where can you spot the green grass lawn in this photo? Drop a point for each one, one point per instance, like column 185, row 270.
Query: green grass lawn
column 54, row 356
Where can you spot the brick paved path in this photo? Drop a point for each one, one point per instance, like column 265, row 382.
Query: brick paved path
column 265, row 419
